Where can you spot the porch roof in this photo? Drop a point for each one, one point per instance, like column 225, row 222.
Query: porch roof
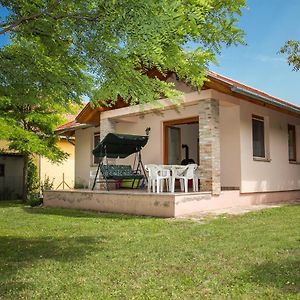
column 90, row 115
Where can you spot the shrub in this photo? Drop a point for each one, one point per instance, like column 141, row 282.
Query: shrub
column 47, row 184
column 80, row 185
column 34, row 200
column 33, row 184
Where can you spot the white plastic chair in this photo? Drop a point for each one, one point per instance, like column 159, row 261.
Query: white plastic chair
column 156, row 178
column 196, row 179
column 184, row 174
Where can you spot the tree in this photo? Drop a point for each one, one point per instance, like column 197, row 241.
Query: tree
column 63, row 50
column 35, row 90
column 117, row 41
column 292, row 49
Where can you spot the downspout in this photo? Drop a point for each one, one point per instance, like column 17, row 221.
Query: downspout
column 40, row 168
column 70, row 141
column 265, row 99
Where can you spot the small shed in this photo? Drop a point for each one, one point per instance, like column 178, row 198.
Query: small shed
column 11, row 176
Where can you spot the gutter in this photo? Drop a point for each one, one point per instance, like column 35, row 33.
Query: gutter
column 265, row 99
column 71, row 141
column 81, row 126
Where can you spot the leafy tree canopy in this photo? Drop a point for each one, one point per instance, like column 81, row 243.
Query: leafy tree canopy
column 292, row 49
column 63, row 50
column 115, row 42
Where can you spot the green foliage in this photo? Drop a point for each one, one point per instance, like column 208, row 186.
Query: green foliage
column 114, row 43
column 35, row 188
column 34, row 200
column 79, row 185
column 35, row 89
column 46, row 184
column 32, row 184
column 292, row 50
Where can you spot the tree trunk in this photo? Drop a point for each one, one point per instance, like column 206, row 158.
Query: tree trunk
column 25, row 175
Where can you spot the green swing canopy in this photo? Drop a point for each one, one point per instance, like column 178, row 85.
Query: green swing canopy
column 116, row 145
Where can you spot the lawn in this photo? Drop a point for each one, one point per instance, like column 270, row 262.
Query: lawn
column 63, row 254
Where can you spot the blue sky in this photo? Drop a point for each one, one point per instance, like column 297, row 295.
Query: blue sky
column 267, row 25
column 3, row 38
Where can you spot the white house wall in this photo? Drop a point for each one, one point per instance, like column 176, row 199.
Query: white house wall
column 274, row 175
column 83, row 155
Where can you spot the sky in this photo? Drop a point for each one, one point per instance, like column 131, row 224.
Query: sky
column 267, row 25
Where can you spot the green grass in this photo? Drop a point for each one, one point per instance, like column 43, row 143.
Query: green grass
column 63, row 254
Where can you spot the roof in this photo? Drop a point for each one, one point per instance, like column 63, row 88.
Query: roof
column 90, row 115
column 70, row 127
column 236, row 85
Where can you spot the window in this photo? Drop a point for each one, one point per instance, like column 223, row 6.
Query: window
column 96, row 141
column 2, row 170
column 292, row 142
column 258, row 136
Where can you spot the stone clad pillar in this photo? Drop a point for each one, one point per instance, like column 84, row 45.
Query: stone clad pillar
column 209, row 146
column 106, row 126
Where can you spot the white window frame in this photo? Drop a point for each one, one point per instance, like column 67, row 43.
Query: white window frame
column 265, row 120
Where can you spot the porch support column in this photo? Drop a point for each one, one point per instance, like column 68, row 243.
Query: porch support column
column 209, row 146
column 106, row 126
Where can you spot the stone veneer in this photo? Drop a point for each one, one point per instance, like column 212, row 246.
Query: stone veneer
column 106, row 126
column 209, row 146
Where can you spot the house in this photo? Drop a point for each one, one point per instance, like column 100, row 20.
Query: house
column 246, row 142
column 12, row 164
column 61, row 175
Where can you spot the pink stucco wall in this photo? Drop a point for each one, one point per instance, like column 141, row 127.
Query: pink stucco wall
column 274, row 175
column 160, row 205
column 238, row 169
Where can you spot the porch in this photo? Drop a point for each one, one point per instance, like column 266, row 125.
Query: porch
column 168, row 205
column 135, row 202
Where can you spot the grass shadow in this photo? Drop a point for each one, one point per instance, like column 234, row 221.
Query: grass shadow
column 283, row 275
column 74, row 213
column 10, row 203
column 18, row 253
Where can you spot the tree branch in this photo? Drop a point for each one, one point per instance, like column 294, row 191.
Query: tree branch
column 10, row 26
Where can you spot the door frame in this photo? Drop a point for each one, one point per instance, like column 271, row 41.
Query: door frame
column 179, row 130
column 170, row 123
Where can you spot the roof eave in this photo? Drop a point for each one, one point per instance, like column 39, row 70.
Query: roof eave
column 73, row 128
column 265, row 99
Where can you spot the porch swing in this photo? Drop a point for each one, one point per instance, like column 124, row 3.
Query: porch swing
column 115, row 146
